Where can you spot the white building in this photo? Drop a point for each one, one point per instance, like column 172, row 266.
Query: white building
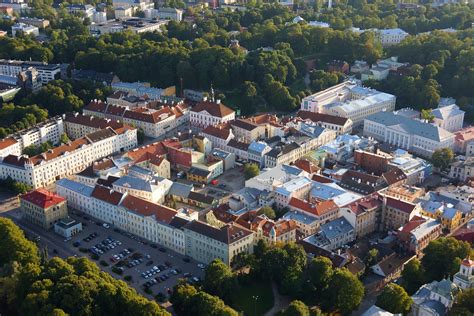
column 413, row 135
column 25, row 29
column 152, row 189
column 448, row 115
column 210, row 113
column 434, row 299
column 465, row 277
column 350, row 101
column 463, row 169
column 165, row 13
column 67, row 159
column 389, row 37
column 46, row 72
column 333, row 235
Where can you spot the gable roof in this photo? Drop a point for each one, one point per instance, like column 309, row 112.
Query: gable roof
column 215, row 109
column 401, row 205
column 147, row 208
column 227, row 234
column 107, row 195
column 317, row 209
column 42, row 198
column 217, row 131
column 320, row 117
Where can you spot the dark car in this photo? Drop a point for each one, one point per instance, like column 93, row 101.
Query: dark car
column 76, row 244
column 154, row 246
column 186, row 259
column 162, row 249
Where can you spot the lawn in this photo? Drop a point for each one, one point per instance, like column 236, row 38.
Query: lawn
column 244, row 300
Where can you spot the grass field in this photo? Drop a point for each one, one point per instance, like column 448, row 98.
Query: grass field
column 243, row 300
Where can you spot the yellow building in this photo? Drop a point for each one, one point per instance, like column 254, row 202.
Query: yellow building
column 43, row 208
column 449, row 217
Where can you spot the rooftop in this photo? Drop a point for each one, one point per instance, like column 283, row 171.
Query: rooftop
column 228, row 234
column 42, row 198
column 214, row 109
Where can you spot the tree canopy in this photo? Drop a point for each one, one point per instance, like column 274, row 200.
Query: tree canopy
column 394, row 299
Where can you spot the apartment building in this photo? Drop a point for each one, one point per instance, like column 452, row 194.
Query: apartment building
column 218, row 135
column 153, row 122
column 363, row 214
column 295, row 188
column 43, row 208
column 205, row 243
column 413, row 135
column 246, row 131
column 10, row 146
column 333, row 235
column 257, row 152
column 46, row 72
column 463, row 139
column 340, row 125
column 415, row 235
column 67, row 159
column 26, row 29
column 210, row 113
column 79, row 125
column 150, row 188
column 396, row 213
column 348, row 100
column 164, row 13
column 389, row 37
column 463, row 169
column 310, row 216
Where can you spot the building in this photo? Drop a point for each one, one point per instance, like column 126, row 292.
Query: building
column 205, row 243
column 465, row 277
column 40, row 23
column 25, row 29
column 310, row 216
column 257, row 152
column 246, row 131
column 396, row 213
column 413, row 135
column 142, row 90
column 218, row 135
column 78, row 125
column 435, row 298
column 415, row 235
column 338, row 124
column 448, row 115
column 403, row 192
column 227, row 158
column 274, row 177
column 348, row 100
column 462, row 169
column 364, row 214
column 43, row 208
column 67, row 159
column 389, row 37
column 67, row 227
column 332, row 191
column 377, row 311
column 210, row 113
column 464, row 138
column 46, row 72
column 415, row 169
column 445, row 212
column 135, row 25
column 359, row 67
column 147, row 188
column 338, row 66
column 85, row 10
column 164, row 13
column 333, row 235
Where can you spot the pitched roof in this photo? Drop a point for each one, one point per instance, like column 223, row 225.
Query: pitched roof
column 107, row 195
column 244, row 124
column 92, row 121
column 403, row 206
column 7, row 142
column 227, row 234
column 306, row 165
column 100, row 135
column 217, row 131
column 317, row 209
column 147, row 208
column 42, row 198
column 199, row 197
column 394, row 175
column 215, row 109
column 238, row 145
column 320, row 117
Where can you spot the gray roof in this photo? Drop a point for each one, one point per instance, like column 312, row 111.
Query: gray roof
column 75, row 186
column 410, row 126
column 134, row 183
column 180, row 189
column 335, row 228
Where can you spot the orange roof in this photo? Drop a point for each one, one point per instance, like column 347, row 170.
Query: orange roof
column 263, row 119
column 219, row 132
column 215, row 109
column 468, row 262
column 7, row 142
column 42, row 198
column 306, row 165
column 147, row 152
column 147, row 208
column 107, row 195
column 318, row 209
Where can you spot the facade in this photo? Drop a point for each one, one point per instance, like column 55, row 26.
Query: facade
column 257, row 152
column 46, row 72
column 463, row 139
column 210, row 113
column 246, row 131
column 135, row 25
column 22, row 28
column 165, row 13
column 446, row 213
column 67, row 227
column 465, row 277
column 463, row 169
column 205, row 243
column 418, row 233
column 78, row 125
column 219, row 135
column 364, row 214
column 310, row 216
column 389, row 37
column 67, row 159
column 43, row 208
column 448, row 115
column 333, row 235
column 348, row 100
column 338, row 124
column 10, row 146
column 396, row 213
column 413, row 135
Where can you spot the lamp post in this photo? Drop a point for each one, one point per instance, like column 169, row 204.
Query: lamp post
column 255, row 298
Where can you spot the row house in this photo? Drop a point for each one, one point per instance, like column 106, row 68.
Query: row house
column 364, row 214
column 67, row 159
column 396, row 213
column 218, row 135
column 246, row 131
column 340, row 125
column 78, row 125
column 310, row 216
column 415, row 235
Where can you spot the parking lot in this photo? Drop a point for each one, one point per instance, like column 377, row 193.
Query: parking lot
column 139, row 263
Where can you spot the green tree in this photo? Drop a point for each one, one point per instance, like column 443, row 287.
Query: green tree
column 427, row 115
column 413, row 276
column 14, row 245
column 267, row 211
column 296, row 308
column 320, row 273
column 443, row 256
column 345, row 291
column 442, row 158
column 464, row 304
column 219, row 279
column 182, row 298
column 64, row 139
column 251, row 170
column 394, row 299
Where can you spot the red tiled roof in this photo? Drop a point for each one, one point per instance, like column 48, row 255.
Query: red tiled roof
column 412, row 224
column 215, row 109
column 244, row 124
column 306, row 165
column 96, row 106
column 147, row 152
column 321, row 179
column 7, row 142
column 219, row 132
column 366, row 203
column 147, row 115
column 107, row 195
column 318, row 209
column 320, row 117
column 42, row 198
column 394, row 175
column 146, row 208
column 403, row 206
column 263, row 119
